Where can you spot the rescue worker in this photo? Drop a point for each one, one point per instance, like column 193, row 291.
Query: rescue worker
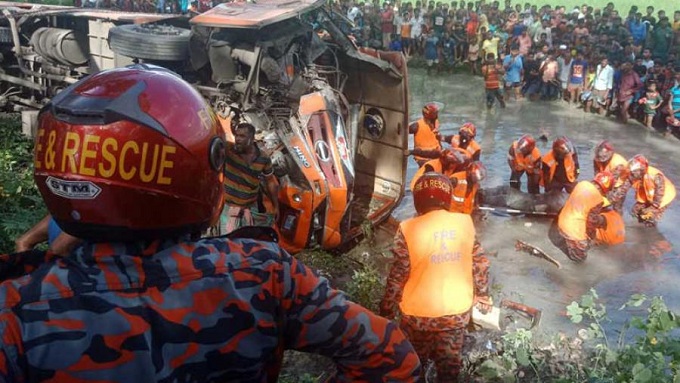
column 143, row 300
column 606, row 159
column 449, row 163
column 439, row 273
column 245, row 169
column 465, row 187
column 524, row 157
column 653, row 191
column 465, row 139
column 560, row 166
column 426, row 145
column 584, row 215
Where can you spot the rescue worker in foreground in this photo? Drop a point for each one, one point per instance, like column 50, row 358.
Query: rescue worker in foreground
column 465, row 139
column 466, row 184
column 246, row 169
column 584, row 220
column 606, row 159
column 653, row 191
column 426, row 145
column 143, row 300
column 560, row 166
column 524, row 157
column 449, row 163
column 439, row 273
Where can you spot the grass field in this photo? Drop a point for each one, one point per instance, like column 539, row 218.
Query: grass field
column 623, row 6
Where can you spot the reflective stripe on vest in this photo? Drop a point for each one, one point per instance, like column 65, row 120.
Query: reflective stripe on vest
column 440, row 280
column 425, row 138
column 574, row 214
column 463, row 198
column 645, row 189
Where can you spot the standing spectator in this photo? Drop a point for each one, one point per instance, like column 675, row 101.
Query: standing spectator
column 431, row 51
column 354, row 12
column 629, row 85
column 638, row 29
column 651, row 102
column 461, row 42
column 525, row 43
column 513, row 72
column 577, row 77
column 386, row 24
column 473, row 54
column 647, row 60
column 492, row 72
column 601, row 87
column 417, row 22
column 438, row 20
column 649, row 17
column 448, row 49
column 564, row 61
column 406, row 34
column 662, row 37
column 673, row 102
column 549, row 84
column 490, row 45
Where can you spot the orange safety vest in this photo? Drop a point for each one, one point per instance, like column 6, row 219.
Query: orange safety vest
column 574, row 215
column 616, row 161
column 425, row 138
column 615, row 233
column 644, row 189
column 472, row 148
column 526, row 163
column 436, row 165
column 440, row 279
column 569, row 167
column 461, row 200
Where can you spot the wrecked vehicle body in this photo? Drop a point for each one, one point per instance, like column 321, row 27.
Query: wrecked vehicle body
column 332, row 117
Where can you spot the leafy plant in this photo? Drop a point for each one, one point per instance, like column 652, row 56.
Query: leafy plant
column 366, row 287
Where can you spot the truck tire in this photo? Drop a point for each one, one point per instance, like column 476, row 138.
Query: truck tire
column 150, row 41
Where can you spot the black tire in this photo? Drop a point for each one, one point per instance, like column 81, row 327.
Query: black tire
column 150, row 42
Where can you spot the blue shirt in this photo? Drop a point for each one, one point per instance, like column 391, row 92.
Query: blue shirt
column 431, row 48
column 675, row 99
column 513, row 68
column 638, row 31
column 53, row 231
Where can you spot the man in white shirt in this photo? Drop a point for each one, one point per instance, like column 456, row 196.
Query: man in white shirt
column 601, row 87
column 647, row 58
column 353, row 12
column 417, row 22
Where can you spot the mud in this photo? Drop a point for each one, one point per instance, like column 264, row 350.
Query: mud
column 648, row 262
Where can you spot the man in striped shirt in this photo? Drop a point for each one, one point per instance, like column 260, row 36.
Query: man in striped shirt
column 493, row 71
column 245, row 169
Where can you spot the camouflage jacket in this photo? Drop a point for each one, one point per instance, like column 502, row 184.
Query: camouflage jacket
column 215, row 310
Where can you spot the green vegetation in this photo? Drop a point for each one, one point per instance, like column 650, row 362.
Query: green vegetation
column 20, row 203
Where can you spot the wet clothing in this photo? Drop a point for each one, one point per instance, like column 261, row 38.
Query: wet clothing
column 513, row 69
column 425, row 138
column 580, row 218
column 179, row 311
column 438, row 270
column 560, row 174
column 618, row 167
column 613, row 232
column 464, row 193
column 520, row 164
column 653, row 193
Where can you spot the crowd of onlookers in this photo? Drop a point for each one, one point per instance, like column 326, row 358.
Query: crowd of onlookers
column 610, row 62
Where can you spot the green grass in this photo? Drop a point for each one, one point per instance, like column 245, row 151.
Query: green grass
column 623, row 6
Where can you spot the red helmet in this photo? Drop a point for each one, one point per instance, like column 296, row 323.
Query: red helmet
column 477, row 172
column 562, row 146
column 130, row 153
column 469, row 130
column 454, row 157
column 604, row 151
column 432, row 191
column 526, row 144
column 637, row 166
column 605, row 180
column 431, row 111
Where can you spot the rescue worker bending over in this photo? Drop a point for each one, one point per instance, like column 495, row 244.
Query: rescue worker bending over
column 606, row 159
column 584, row 220
column 465, row 139
column 653, row 191
column 439, row 273
column 449, row 163
column 524, row 157
column 426, row 138
column 560, row 166
column 465, row 187
column 142, row 300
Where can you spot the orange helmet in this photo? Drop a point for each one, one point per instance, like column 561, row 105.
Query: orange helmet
column 431, row 111
column 637, row 166
column 562, row 146
column 468, row 130
column 477, row 172
column 130, row 153
column 604, row 151
column 432, row 191
column 454, row 158
column 526, row 144
column 605, row 180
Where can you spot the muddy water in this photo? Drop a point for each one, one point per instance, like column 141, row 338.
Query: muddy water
column 648, row 262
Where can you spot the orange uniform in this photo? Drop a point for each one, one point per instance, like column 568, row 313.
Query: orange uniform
column 463, row 199
column 573, row 217
column 521, row 163
column 435, row 165
column 550, row 165
column 472, row 149
column 614, row 233
column 617, row 165
column 645, row 189
column 426, row 138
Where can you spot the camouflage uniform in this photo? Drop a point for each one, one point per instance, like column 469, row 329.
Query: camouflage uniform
column 653, row 210
column 215, row 310
column 439, row 339
column 577, row 250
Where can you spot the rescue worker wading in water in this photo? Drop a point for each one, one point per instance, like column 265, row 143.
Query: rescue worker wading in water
column 585, row 219
column 524, row 157
column 426, row 138
column 439, row 273
column 465, row 187
column 465, row 140
column 449, row 163
column 142, row 299
column 606, row 159
column 653, row 191
column 560, row 166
